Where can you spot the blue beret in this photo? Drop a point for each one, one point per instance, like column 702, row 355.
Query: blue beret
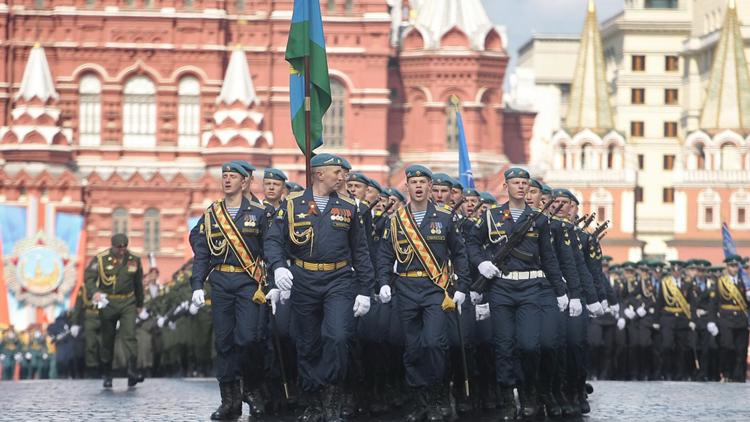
column 375, row 185
column 535, row 183
column 294, row 187
column 345, row 164
column 516, row 172
column 326, row 159
column 565, row 194
column 487, row 197
column 234, row 167
column 457, row 183
column 358, row 177
column 442, row 179
column 249, row 168
column 471, row 192
column 546, row 189
column 418, row 171
column 274, row 174
column 397, row 193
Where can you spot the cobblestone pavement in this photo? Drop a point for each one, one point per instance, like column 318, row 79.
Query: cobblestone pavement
column 195, row 399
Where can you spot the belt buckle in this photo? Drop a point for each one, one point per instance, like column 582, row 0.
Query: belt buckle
column 419, row 273
column 319, row 266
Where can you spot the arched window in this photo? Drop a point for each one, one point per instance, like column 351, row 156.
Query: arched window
column 561, row 157
column 139, row 113
column 740, row 210
column 120, row 221
column 151, row 231
column 709, row 208
column 611, row 157
column 188, row 112
column 90, row 111
column 334, row 121
column 700, row 157
column 731, row 159
column 451, row 128
column 587, row 161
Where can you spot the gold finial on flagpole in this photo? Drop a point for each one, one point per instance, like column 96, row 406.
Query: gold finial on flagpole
column 455, row 101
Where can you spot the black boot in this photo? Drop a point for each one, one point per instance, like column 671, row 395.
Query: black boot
column 227, row 409
column 436, row 404
column 507, row 404
column 107, row 378
column 314, row 408
column 134, row 376
column 420, row 406
column 332, row 404
column 551, row 406
column 583, row 401
column 530, row 408
column 254, row 398
column 349, row 405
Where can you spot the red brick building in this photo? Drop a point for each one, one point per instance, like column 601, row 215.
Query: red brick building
column 122, row 110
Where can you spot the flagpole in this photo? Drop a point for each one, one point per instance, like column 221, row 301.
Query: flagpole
column 308, row 140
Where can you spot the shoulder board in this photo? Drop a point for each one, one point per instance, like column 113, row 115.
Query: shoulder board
column 494, row 206
column 103, row 253
column 444, row 210
column 294, row 195
column 348, row 200
column 257, row 205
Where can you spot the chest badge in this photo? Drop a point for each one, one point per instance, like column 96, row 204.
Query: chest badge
column 250, row 221
column 436, row 228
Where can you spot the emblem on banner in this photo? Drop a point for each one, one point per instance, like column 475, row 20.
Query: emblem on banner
column 40, row 270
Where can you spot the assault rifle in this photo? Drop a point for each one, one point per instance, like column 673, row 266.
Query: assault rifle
column 599, row 230
column 480, row 284
column 587, row 222
column 377, row 219
column 579, row 219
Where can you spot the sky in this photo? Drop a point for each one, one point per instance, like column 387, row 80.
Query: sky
column 522, row 18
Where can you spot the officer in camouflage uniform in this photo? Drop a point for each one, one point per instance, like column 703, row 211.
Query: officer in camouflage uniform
column 114, row 283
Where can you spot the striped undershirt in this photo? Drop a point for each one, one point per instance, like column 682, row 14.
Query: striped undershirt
column 233, row 211
column 321, row 202
column 516, row 213
column 419, row 216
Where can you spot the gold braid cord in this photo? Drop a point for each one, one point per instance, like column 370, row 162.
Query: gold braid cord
column 301, row 239
column 673, row 296
column 731, row 293
column 107, row 280
column 404, row 255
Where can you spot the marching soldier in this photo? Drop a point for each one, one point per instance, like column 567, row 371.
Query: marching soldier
column 427, row 249
column 732, row 321
column 227, row 245
column 514, row 293
column 442, row 187
column 703, row 304
column 674, row 321
column 274, row 182
column 320, row 234
column 114, row 284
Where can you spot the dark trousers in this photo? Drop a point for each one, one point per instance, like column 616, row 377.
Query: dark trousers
column 576, row 352
column 323, row 321
column 425, row 328
column 552, row 338
column 239, row 327
column 122, row 310
column 676, row 350
column 516, row 319
column 733, row 345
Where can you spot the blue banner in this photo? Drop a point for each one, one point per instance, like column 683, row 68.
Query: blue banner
column 68, row 228
column 730, row 248
column 464, row 162
column 12, row 226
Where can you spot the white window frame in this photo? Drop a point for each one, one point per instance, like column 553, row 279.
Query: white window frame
column 89, row 111
column 740, row 199
column 139, row 113
column 188, row 112
column 709, row 199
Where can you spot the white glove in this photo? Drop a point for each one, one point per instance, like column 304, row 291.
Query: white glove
column 629, row 312
column 562, row 302
column 160, row 321
column 75, row 330
column 621, row 324
column 143, row 315
column 385, row 294
column 103, row 302
column 27, row 356
column 117, row 326
column 615, row 309
column 576, row 308
column 18, row 356
column 199, row 298
column 273, row 296
column 605, row 305
column 172, row 325
column 45, row 356
column 712, row 328
column 488, row 270
column 691, row 324
column 656, row 326
column 284, row 296
column 185, row 304
column 595, row 309
column 361, row 306
column 2, row 357
column 459, row 298
column 476, row 298
column 700, row 313
column 193, row 309
column 747, row 295
column 482, row 311
column 641, row 311
column 283, row 278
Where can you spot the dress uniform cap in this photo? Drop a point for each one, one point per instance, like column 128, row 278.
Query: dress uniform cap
column 325, row 159
column 234, row 167
column 358, row 177
column 442, row 179
column 417, row 170
column 119, row 240
column 677, row 263
column 606, row 258
column 516, row 172
column 628, row 265
column 471, row 192
column 274, row 174
column 733, row 259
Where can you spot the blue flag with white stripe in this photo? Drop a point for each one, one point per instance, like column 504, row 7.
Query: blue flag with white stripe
column 464, row 162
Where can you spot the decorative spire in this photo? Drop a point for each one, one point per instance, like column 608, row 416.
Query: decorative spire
column 238, row 84
column 589, row 99
column 727, row 102
column 37, row 80
column 437, row 17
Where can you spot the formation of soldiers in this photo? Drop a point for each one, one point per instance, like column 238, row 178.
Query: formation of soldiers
column 348, row 298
